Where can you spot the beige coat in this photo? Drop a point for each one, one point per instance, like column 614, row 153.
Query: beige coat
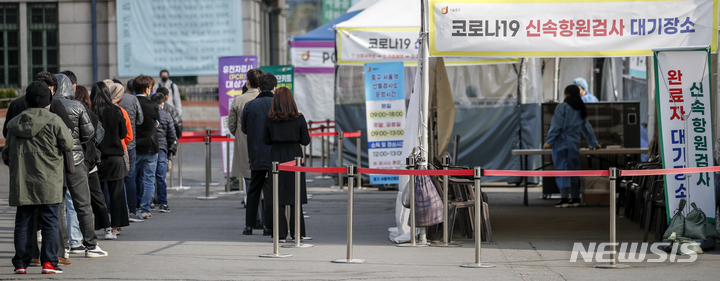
column 241, row 161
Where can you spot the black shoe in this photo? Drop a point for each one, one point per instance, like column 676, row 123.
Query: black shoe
column 247, row 230
column 267, row 232
column 563, row 203
column 259, row 225
column 575, row 202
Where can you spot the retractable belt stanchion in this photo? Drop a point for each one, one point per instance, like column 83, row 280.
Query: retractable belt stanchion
column 228, row 170
column 179, row 166
column 446, row 221
column 358, row 143
column 613, row 243
column 311, row 149
column 208, row 166
column 327, row 144
column 413, row 231
column 322, row 152
column 298, row 213
column 276, row 215
column 478, row 222
column 352, row 172
column 340, row 158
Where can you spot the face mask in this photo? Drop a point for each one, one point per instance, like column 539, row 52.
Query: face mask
column 164, row 79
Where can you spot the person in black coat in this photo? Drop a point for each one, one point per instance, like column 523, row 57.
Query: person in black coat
column 253, row 122
column 286, row 130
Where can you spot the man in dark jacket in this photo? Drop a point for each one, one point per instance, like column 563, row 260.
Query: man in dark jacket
column 166, row 139
column 253, row 123
column 77, row 182
column 131, row 105
column 147, row 144
column 34, row 185
column 177, row 120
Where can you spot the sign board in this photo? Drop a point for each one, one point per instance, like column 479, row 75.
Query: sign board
column 385, row 106
column 285, row 74
column 684, row 107
column 310, row 57
column 556, row 28
column 232, row 75
column 331, row 9
column 184, row 37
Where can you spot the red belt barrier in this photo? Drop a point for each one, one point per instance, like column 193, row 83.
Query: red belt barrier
column 653, row 172
column 191, row 139
column 323, row 134
column 196, row 134
column 314, row 129
column 416, row 172
column 312, row 169
column 576, row 173
column 352, row 134
column 221, row 139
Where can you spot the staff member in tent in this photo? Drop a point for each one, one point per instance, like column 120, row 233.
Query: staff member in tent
column 584, row 93
column 569, row 120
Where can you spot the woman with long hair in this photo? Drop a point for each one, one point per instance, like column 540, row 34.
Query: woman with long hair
column 112, row 169
column 286, row 130
column 569, row 119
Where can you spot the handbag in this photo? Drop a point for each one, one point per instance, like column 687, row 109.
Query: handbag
column 677, row 223
column 695, row 223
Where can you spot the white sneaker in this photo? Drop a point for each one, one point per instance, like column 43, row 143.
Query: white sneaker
column 95, row 253
column 109, row 235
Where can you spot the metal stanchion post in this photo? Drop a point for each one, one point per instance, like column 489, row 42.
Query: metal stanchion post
column 172, row 175
column 352, row 172
column 208, row 166
column 446, row 223
column 613, row 215
column 311, row 148
column 276, row 215
column 298, row 213
column 478, row 222
column 228, row 172
column 358, row 143
column 179, row 166
column 413, row 231
column 322, row 147
column 340, row 157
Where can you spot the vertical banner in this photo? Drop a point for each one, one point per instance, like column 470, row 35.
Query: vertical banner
column 331, row 9
column 684, row 107
column 385, row 105
column 285, row 74
column 232, row 75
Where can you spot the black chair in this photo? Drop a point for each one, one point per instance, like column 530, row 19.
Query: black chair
column 656, row 208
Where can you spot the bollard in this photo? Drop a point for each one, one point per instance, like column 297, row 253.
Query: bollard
column 413, row 231
column 352, row 172
column 479, row 172
column 298, row 213
column 358, row 143
column 340, row 158
column 276, row 216
column 613, row 243
column 208, row 167
column 456, row 141
column 446, row 223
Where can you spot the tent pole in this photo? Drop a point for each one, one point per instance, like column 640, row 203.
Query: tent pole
column 424, row 85
column 556, row 80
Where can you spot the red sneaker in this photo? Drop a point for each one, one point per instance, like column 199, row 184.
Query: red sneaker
column 20, row 271
column 48, row 268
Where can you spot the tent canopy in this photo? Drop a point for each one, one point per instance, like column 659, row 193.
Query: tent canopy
column 405, row 14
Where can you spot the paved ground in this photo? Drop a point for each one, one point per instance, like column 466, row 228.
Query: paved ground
column 202, row 240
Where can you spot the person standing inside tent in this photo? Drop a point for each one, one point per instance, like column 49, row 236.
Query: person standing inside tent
column 584, row 92
column 569, row 119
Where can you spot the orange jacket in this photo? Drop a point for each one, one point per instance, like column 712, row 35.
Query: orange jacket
column 129, row 135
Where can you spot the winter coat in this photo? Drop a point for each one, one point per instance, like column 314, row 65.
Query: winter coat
column 174, row 98
column 132, row 106
column 146, row 134
column 241, row 163
column 286, row 137
column 166, row 132
column 115, row 133
column 128, row 127
column 37, row 140
column 83, row 130
column 178, row 123
column 252, row 125
column 19, row 105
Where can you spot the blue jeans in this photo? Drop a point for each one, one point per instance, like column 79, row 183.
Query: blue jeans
column 146, row 165
column 73, row 225
column 130, row 184
column 160, row 174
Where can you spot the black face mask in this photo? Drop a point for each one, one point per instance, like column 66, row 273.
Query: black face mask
column 164, row 79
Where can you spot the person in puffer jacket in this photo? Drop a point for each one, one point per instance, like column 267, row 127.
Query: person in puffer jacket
column 166, row 140
column 77, row 182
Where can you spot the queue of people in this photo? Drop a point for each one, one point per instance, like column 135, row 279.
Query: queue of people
column 110, row 147
column 268, row 127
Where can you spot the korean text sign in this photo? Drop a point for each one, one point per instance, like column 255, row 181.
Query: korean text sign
column 553, row 28
column 232, row 75
column 684, row 107
column 385, row 105
column 184, row 37
column 285, row 75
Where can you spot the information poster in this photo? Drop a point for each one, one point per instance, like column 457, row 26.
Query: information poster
column 385, row 105
column 331, row 9
column 232, row 75
column 285, row 74
column 185, row 37
column 684, row 107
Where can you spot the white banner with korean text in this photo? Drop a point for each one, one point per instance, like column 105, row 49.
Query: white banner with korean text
column 684, row 107
column 555, row 28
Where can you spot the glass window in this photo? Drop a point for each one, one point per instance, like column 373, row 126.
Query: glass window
column 9, row 46
column 43, row 38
